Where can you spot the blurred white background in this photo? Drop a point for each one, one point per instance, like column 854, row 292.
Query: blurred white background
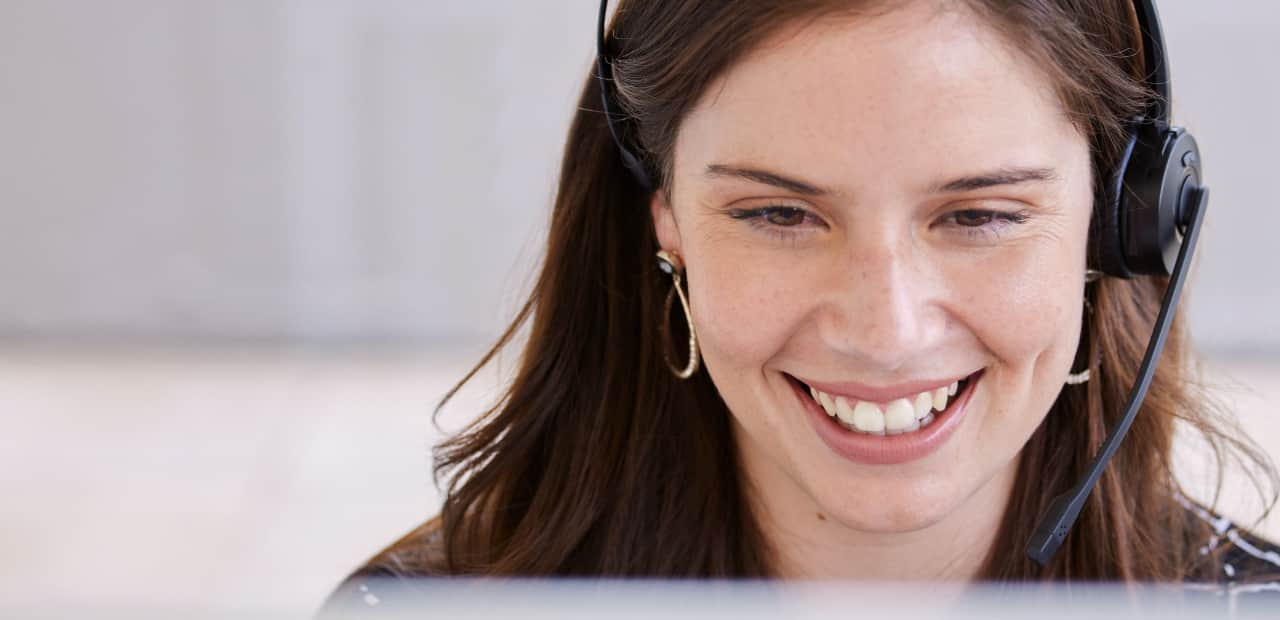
column 246, row 245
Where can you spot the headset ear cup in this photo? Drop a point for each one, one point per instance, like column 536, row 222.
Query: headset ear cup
column 1108, row 246
column 1162, row 179
column 1138, row 228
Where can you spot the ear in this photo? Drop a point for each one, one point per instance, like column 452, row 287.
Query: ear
column 664, row 222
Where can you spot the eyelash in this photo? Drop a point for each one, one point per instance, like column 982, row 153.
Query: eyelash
column 758, row 219
column 993, row 221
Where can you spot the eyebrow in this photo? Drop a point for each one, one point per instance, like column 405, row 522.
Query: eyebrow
column 1002, row 176
column 765, row 177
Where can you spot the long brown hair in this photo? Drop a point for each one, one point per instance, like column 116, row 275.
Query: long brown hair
column 597, row 461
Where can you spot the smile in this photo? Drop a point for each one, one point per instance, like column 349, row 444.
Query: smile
column 884, row 428
column 897, row 416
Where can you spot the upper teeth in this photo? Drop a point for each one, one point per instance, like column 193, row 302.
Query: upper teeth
column 902, row 415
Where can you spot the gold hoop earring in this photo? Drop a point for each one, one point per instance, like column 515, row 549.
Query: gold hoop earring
column 1077, row 378
column 670, row 263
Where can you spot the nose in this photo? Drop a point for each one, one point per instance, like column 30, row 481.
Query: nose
column 882, row 305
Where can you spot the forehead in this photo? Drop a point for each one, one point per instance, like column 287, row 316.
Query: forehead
column 919, row 89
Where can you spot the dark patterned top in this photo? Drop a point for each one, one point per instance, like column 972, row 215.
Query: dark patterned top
column 1248, row 567
column 1243, row 573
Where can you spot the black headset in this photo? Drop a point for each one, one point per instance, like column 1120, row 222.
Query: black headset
column 1148, row 225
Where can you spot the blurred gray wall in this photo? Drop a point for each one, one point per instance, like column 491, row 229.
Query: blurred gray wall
column 367, row 171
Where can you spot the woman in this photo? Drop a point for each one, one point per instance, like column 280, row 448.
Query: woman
column 882, row 212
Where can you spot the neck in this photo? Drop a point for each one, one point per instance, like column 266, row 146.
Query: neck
column 808, row 544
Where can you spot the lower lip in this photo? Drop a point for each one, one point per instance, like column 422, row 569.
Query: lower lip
column 889, row 449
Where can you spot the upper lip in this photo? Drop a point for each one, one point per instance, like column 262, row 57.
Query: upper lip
column 860, row 391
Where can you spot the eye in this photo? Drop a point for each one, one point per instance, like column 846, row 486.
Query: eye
column 785, row 222
column 983, row 222
column 785, row 216
column 973, row 217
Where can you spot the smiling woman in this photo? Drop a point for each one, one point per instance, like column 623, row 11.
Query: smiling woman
column 873, row 248
column 887, row 217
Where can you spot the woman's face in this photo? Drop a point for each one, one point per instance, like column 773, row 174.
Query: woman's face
column 876, row 207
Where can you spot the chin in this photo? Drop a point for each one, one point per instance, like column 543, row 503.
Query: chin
column 892, row 510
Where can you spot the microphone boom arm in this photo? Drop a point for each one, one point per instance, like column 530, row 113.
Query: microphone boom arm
column 1063, row 511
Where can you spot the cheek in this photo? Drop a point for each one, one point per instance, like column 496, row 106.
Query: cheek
column 1027, row 317
column 746, row 309
column 1024, row 302
column 1022, row 310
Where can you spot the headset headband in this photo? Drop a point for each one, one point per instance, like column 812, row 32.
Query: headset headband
column 1155, row 61
column 1153, row 55
column 604, row 72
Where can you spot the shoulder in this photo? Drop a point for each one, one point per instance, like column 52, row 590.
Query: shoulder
column 1242, row 565
column 418, row 554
